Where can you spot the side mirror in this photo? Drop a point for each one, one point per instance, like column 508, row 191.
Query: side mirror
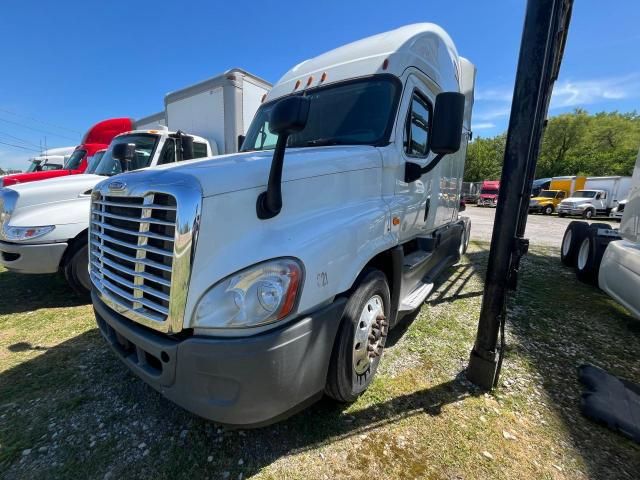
column 184, row 147
column 288, row 116
column 125, row 153
column 446, row 132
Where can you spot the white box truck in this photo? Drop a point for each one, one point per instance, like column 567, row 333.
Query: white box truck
column 43, row 225
column 598, row 197
column 151, row 122
column 281, row 269
column 610, row 257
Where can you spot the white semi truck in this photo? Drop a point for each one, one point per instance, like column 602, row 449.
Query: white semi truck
column 599, row 197
column 43, row 225
column 610, row 257
column 244, row 287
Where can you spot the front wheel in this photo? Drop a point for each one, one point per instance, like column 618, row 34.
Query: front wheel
column 76, row 268
column 589, row 213
column 548, row 210
column 360, row 339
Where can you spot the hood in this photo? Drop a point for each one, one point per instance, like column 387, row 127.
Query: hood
column 241, row 171
column 18, row 178
column 576, row 200
column 53, row 190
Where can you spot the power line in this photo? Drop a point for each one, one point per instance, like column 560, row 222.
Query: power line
column 39, row 121
column 20, row 139
column 19, row 146
column 37, row 129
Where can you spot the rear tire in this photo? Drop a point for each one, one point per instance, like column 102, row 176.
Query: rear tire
column 590, row 255
column 76, row 267
column 360, row 340
column 573, row 236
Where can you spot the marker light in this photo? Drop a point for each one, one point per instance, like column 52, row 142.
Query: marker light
column 323, row 77
column 309, row 81
column 297, row 85
column 385, row 64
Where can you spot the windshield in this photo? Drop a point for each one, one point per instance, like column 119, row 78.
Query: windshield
column 548, row 194
column 74, row 161
column 34, row 166
column 489, row 191
column 94, row 162
column 350, row 113
column 145, row 147
column 584, row 194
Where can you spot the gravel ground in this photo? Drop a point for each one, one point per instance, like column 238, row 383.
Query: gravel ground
column 542, row 230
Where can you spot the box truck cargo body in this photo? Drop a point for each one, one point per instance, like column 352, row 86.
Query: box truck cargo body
column 219, row 109
column 546, row 201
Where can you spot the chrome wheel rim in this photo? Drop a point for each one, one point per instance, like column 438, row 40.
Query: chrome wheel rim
column 589, row 214
column 566, row 242
column 583, row 254
column 369, row 336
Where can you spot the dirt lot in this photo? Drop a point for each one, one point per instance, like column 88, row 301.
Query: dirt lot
column 544, row 230
column 69, row 409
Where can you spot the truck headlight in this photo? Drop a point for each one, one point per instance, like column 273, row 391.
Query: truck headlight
column 16, row 234
column 259, row 295
column 533, row 202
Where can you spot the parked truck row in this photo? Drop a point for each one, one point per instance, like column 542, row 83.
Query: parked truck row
column 45, row 222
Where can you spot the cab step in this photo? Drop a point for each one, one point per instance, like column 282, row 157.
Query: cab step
column 415, row 299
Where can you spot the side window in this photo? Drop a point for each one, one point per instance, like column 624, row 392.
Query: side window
column 598, row 196
column 417, row 129
column 168, row 154
column 199, row 150
column 562, row 195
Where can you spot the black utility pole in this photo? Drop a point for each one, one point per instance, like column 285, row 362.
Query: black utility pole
column 543, row 39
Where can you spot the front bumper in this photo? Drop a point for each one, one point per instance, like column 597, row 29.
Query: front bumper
column 24, row 258
column 249, row 381
column 487, row 202
column 570, row 210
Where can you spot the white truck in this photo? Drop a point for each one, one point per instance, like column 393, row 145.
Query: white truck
column 274, row 275
column 609, row 257
column 43, row 225
column 598, row 197
column 50, row 159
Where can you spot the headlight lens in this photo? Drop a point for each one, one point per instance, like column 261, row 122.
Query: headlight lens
column 256, row 296
column 533, row 202
column 26, row 233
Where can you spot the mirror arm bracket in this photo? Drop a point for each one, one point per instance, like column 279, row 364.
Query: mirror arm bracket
column 269, row 202
column 413, row 171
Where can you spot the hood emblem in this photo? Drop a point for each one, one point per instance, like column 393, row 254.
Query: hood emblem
column 117, row 186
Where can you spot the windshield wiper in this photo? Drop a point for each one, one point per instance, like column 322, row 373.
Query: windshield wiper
column 324, row 142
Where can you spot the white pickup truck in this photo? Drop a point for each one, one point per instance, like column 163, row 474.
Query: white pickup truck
column 599, row 197
column 244, row 287
column 610, row 257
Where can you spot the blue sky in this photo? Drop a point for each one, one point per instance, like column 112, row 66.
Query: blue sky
column 70, row 63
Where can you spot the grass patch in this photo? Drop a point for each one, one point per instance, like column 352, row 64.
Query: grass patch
column 79, row 413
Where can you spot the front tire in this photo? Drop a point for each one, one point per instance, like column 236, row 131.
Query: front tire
column 548, row 210
column 361, row 338
column 589, row 213
column 76, row 268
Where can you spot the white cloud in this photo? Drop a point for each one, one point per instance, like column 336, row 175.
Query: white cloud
column 482, row 125
column 491, row 114
column 569, row 93
column 494, row 94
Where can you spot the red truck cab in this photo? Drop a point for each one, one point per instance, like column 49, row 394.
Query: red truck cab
column 97, row 138
column 489, row 193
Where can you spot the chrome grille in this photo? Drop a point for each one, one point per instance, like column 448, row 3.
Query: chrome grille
column 132, row 251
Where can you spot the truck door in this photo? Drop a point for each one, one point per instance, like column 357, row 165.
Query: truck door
column 422, row 196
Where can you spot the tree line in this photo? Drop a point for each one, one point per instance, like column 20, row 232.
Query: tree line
column 575, row 143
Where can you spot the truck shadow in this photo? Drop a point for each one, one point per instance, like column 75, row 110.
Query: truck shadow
column 77, row 394
column 25, row 293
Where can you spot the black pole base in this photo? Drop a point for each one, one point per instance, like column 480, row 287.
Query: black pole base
column 481, row 371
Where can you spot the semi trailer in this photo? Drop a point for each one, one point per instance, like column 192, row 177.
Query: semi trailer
column 274, row 275
column 96, row 138
column 44, row 225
